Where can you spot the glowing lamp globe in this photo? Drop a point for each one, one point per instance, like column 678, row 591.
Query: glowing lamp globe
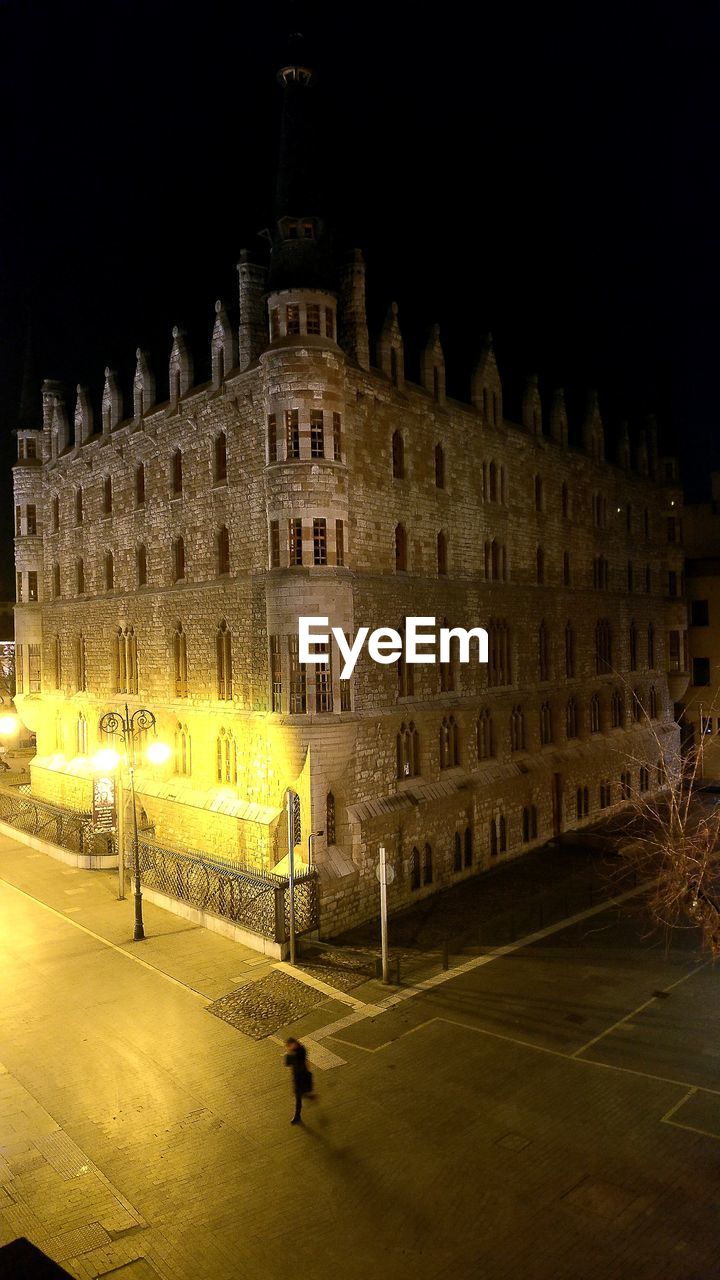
column 8, row 724
column 106, row 759
column 158, row 752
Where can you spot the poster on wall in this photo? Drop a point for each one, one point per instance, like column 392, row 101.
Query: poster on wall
column 103, row 810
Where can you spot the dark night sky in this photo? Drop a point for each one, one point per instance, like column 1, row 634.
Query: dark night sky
column 548, row 172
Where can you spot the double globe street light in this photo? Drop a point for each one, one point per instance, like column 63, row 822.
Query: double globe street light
column 129, row 728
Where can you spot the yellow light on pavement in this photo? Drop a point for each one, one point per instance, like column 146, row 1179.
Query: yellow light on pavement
column 158, row 752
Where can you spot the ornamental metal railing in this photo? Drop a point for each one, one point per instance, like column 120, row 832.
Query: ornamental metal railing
column 64, row 827
column 255, row 900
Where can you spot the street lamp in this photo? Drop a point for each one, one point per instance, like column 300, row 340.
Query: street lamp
column 9, row 725
column 128, row 727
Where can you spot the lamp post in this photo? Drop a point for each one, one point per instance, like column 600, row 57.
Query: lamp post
column 128, row 727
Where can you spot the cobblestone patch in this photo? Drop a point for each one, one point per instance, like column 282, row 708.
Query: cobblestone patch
column 342, row 969
column 258, row 1009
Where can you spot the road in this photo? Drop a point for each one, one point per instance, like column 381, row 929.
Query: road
column 550, row 1112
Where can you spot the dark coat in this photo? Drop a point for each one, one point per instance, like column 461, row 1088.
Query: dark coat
column 297, row 1061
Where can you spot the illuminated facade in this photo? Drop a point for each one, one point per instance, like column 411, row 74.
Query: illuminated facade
column 163, row 557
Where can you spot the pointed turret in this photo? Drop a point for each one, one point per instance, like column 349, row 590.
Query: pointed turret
column 593, row 433
column 143, row 385
column 558, row 418
column 390, row 347
column 486, row 390
column 112, row 406
column 432, row 366
column 532, row 407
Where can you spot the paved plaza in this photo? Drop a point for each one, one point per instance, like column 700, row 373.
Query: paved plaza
column 548, row 1110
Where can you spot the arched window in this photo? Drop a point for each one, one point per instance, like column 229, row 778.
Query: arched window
column 569, row 651
column 617, row 709
column 55, row 581
column 493, row 838
column 468, row 846
column 543, row 652
column 226, row 759
column 141, row 565
column 176, row 473
column 183, row 752
column 80, row 664
column 330, row 818
column 57, row 662
column 178, row 559
column 125, row 660
column 107, row 496
column 405, row 671
column 595, row 713
column 442, row 564
column 140, row 485
column 109, row 571
column 493, row 482
column 427, row 865
column 415, row 869
column 439, row 466
column 400, row 548
column 499, row 672
column 571, row 719
column 644, row 779
column 223, row 658
column 546, row 731
column 632, row 646
column 408, row 751
column 502, row 833
column 449, row 745
column 220, row 454
column 398, row 456
column 78, row 506
column 653, row 702
column 222, row 549
column 517, row 729
column 457, row 855
column 651, row 647
column 80, row 576
column 55, row 513
column 603, row 646
column 180, row 664
column 540, row 565
column 485, row 735
column 81, row 735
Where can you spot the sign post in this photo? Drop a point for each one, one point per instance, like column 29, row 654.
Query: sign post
column 293, row 821
column 121, row 837
column 383, row 914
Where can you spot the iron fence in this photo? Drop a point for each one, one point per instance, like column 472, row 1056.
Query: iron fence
column 64, row 827
column 256, row 900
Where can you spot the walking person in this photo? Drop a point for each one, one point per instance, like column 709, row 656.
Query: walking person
column 296, row 1059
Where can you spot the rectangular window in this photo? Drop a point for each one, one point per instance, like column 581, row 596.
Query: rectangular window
column 701, row 671
column 33, row 668
column 292, row 432
column 699, row 613
column 317, row 434
column 19, row 669
column 297, row 702
column 274, row 544
column 339, row 543
column 337, row 437
column 274, row 323
column 18, row 522
column 295, row 542
column 292, row 319
column 275, row 674
column 674, row 651
column 18, row 588
column 272, row 437
column 31, row 516
column 329, row 323
column 32, row 585
column 323, row 686
column 313, row 317
column 320, row 541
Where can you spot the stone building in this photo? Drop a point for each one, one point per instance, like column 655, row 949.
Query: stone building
column 702, row 572
column 165, row 550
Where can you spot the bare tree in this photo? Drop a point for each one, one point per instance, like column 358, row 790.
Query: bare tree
column 674, row 843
